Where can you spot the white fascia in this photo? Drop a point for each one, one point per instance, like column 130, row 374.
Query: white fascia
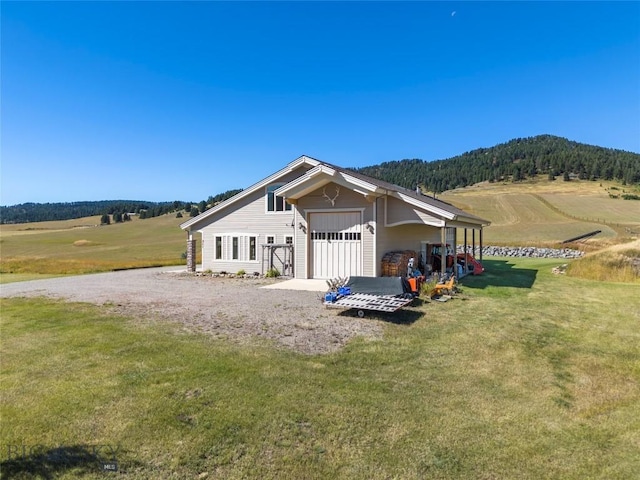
column 365, row 186
column 293, row 185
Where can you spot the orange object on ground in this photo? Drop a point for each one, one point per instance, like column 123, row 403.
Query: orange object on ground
column 444, row 288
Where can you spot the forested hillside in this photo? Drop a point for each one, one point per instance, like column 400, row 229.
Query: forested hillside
column 513, row 161
column 41, row 212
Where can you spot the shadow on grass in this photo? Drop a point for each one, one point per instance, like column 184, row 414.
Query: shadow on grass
column 403, row 316
column 38, row 462
column 501, row 273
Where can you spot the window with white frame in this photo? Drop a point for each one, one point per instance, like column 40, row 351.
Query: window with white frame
column 274, row 202
column 236, row 247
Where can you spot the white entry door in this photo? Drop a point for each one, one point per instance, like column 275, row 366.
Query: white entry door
column 336, row 244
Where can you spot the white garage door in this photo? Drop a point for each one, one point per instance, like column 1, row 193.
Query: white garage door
column 336, row 244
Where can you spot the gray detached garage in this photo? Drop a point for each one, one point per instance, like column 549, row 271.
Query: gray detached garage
column 335, row 222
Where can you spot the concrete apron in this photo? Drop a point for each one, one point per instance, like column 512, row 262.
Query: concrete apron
column 310, row 285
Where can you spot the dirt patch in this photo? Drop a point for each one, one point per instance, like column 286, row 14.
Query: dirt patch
column 237, row 309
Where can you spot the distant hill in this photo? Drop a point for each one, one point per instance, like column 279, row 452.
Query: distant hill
column 41, row 212
column 515, row 160
column 44, row 212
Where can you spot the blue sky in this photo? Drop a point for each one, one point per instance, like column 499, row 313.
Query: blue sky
column 178, row 101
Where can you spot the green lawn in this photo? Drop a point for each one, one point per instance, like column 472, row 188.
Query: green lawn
column 524, row 375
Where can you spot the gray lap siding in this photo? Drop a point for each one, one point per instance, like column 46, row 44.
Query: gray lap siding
column 247, row 218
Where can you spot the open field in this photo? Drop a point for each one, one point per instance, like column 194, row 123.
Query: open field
column 524, row 375
column 82, row 246
column 544, row 212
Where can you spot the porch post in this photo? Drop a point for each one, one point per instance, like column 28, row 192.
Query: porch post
column 481, row 245
column 443, row 250
column 466, row 265
column 473, row 240
column 455, row 252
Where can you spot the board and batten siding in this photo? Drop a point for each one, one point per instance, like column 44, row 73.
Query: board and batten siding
column 347, row 200
column 401, row 237
column 248, row 216
column 399, row 212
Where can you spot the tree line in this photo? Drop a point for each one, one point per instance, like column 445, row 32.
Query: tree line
column 514, row 161
column 213, row 200
column 111, row 211
column 41, row 212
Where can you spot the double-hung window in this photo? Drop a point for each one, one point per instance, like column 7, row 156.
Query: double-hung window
column 274, row 202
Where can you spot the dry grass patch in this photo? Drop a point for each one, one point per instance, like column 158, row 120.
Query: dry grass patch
column 84, row 243
column 67, row 247
column 619, row 263
column 539, row 212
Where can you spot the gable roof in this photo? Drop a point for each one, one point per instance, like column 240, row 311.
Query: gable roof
column 298, row 162
column 322, row 173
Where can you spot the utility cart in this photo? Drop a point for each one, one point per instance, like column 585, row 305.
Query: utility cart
column 382, row 294
column 362, row 302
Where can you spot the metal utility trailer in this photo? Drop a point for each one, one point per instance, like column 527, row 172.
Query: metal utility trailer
column 365, row 301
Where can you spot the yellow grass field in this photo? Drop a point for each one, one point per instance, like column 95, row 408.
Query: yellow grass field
column 541, row 212
column 83, row 246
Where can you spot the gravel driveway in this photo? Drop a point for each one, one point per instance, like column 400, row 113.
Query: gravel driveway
column 232, row 308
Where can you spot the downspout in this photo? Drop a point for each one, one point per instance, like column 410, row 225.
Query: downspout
column 191, row 252
column 375, row 237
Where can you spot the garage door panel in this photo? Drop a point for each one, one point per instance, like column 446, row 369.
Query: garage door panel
column 336, row 244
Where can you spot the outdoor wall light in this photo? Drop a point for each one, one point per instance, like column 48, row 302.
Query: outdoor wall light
column 369, row 227
column 302, row 227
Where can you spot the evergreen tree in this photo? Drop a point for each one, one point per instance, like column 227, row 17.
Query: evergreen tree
column 104, row 220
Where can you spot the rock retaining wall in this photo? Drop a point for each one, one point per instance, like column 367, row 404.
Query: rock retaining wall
column 534, row 252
